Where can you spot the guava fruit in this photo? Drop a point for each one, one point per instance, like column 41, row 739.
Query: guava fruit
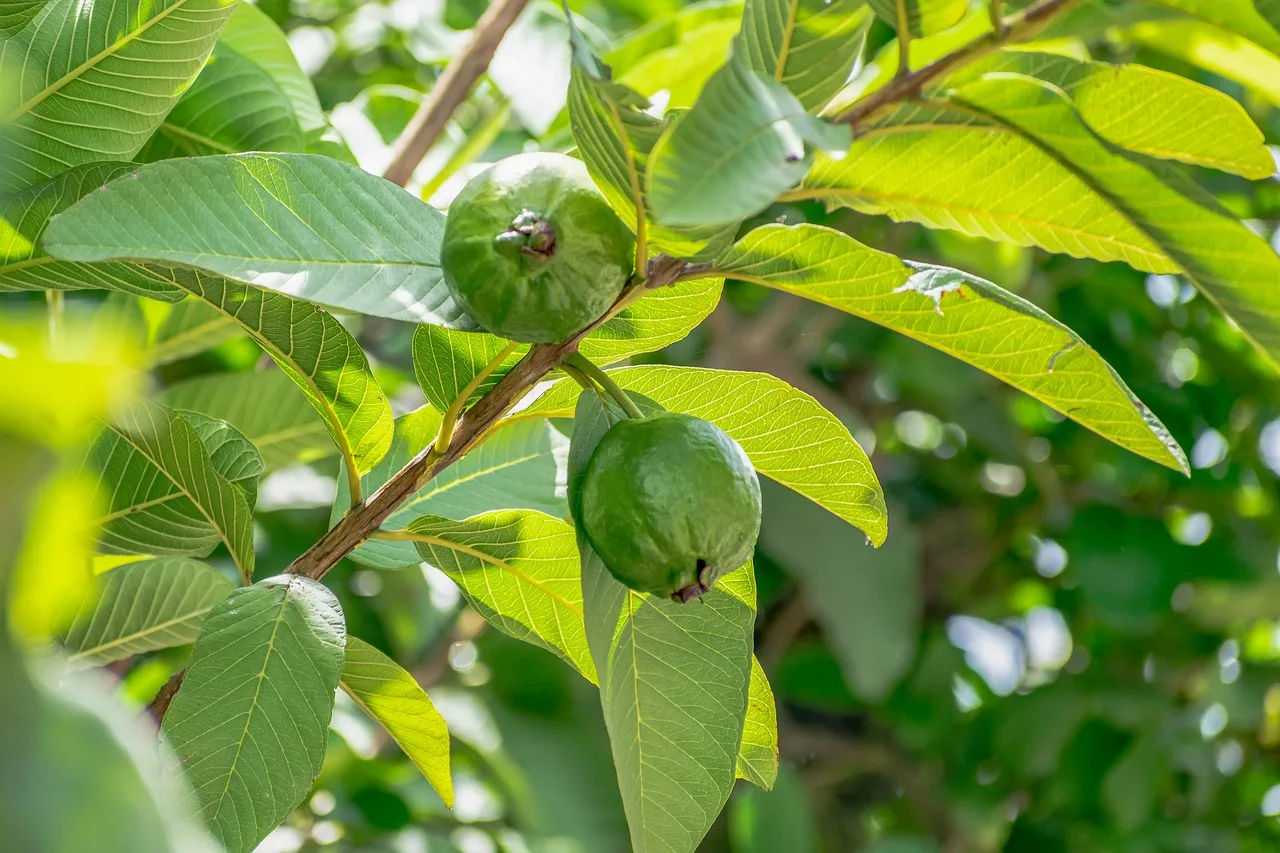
column 532, row 251
column 669, row 503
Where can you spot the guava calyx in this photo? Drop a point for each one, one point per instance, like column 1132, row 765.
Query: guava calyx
column 530, row 235
column 689, row 592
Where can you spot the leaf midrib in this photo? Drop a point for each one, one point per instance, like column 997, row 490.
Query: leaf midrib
column 496, row 562
column 90, row 63
column 137, row 635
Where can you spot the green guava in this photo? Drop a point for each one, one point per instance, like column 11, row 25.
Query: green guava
column 669, row 503
column 532, row 251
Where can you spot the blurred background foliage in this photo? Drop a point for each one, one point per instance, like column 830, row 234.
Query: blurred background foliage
column 1062, row 646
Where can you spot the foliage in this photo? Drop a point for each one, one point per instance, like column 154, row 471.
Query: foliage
column 259, row 470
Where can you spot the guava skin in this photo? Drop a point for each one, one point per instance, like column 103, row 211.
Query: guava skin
column 669, row 503
column 532, row 251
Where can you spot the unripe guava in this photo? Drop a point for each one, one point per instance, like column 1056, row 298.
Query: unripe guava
column 669, row 503
column 532, row 251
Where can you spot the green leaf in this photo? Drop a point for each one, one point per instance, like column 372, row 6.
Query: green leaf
column 251, row 721
column 758, row 754
column 191, row 327
column 266, row 406
column 745, row 141
column 144, row 606
column 24, row 265
column 1148, row 111
column 962, row 315
column 176, row 484
column 300, row 224
column 924, row 17
column 762, row 822
column 1215, row 50
column 673, row 684
column 789, row 437
column 16, row 14
column 390, row 695
column 809, row 46
column 519, row 466
column 444, row 361
column 1241, row 17
column 866, row 600
column 69, row 62
column 233, row 106
column 519, row 569
column 615, row 135
column 1231, row 265
column 251, row 33
column 320, row 356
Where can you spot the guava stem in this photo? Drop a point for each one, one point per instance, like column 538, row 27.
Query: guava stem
column 615, row 391
column 450, row 419
column 586, row 384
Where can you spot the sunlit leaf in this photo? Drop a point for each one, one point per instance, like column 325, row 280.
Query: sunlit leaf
column 520, row 466
column 251, row 33
column 676, row 53
column 1241, row 17
column 144, row 606
column 68, row 64
column 300, row 224
column 758, row 754
column 965, row 316
column 809, row 46
column 266, row 406
column 788, row 436
column 519, row 569
column 166, row 489
column 24, row 265
column 251, row 721
column 1231, row 56
column 924, row 17
column 390, row 695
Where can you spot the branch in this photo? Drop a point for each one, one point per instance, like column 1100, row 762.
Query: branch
column 451, row 89
column 1025, row 25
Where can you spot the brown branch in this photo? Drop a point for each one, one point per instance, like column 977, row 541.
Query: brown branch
column 451, row 89
column 160, row 704
column 1020, row 27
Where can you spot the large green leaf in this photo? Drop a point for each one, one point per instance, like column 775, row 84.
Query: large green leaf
column 758, row 755
column 176, row 484
column 1051, row 182
column 252, row 33
column 320, row 356
column 235, row 105
column 301, row 224
column 1148, row 111
column 520, row 466
column 746, row 140
column 390, row 695
column 191, row 327
column 924, row 17
column 251, row 721
column 95, row 79
column 444, row 361
column 519, row 569
column 962, row 315
column 809, row 46
column 266, row 406
column 16, row 14
column 144, row 606
column 1242, row 17
column 24, row 265
column 789, row 437
column 673, row 685
column 1223, row 53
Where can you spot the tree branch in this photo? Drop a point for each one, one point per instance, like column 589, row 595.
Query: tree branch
column 1025, row 25
column 451, row 89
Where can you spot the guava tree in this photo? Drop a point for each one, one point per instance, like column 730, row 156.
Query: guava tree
column 173, row 157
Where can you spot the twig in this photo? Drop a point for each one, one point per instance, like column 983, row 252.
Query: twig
column 904, row 39
column 451, row 90
column 1020, row 27
column 594, row 373
column 160, row 704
